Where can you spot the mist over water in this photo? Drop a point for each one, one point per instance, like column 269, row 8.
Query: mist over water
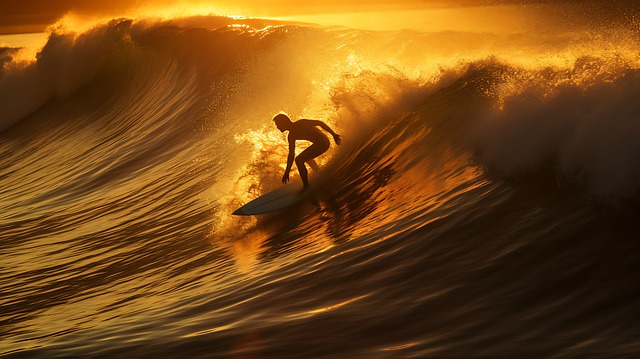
column 483, row 202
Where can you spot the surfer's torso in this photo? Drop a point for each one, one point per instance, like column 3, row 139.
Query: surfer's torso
column 306, row 131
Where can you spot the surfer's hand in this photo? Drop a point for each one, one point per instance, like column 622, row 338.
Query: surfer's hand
column 285, row 178
column 337, row 138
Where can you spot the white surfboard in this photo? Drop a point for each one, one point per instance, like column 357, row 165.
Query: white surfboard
column 280, row 198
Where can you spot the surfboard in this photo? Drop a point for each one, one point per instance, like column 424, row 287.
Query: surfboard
column 275, row 200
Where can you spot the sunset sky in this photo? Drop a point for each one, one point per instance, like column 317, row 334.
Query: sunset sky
column 35, row 15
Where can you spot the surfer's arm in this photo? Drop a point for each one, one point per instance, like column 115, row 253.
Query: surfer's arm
column 290, row 158
column 324, row 126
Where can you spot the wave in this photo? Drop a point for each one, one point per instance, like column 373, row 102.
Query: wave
column 575, row 120
column 127, row 147
column 412, row 139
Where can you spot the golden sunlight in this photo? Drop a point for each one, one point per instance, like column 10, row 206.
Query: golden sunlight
column 430, row 15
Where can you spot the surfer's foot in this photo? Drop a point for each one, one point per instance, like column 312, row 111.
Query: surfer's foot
column 304, row 189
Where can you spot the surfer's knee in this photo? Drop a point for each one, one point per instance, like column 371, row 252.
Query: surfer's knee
column 299, row 161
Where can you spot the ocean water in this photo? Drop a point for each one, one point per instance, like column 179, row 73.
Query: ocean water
column 483, row 204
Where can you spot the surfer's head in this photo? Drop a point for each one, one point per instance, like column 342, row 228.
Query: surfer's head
column 283, row 122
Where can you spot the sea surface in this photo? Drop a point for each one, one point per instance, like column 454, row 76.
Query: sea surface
column 483, row 203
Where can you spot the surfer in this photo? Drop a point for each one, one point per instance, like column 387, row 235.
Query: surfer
column 306, row 130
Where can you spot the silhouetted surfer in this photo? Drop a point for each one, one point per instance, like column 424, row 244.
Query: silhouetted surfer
column 304, row 130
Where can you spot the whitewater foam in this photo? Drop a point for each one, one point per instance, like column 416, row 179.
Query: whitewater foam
column 584, row 131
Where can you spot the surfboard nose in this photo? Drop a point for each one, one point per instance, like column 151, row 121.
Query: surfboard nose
column 240, row 212
column 275, row 200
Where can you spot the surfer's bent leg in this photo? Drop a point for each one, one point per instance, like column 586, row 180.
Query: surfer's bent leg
column 307, row 155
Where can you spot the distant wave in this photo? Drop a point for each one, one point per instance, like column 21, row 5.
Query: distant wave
column 72, row 60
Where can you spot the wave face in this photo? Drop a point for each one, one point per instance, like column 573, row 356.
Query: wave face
column 483, row 204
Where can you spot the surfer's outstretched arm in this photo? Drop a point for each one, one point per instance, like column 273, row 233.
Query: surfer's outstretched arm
column 292, row 155
column 324, row 126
